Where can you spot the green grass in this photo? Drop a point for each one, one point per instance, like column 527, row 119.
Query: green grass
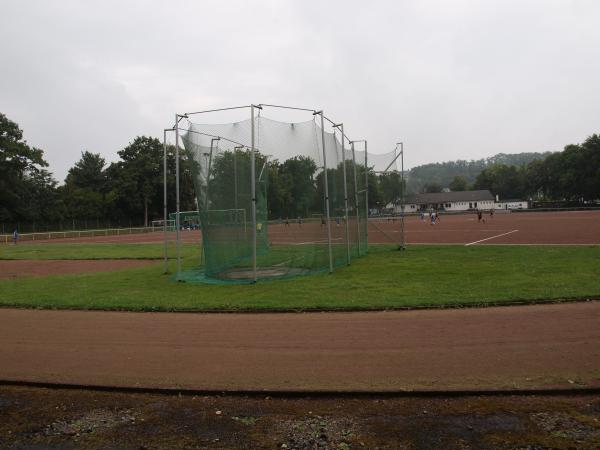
column 90, row 251
column 422, row 276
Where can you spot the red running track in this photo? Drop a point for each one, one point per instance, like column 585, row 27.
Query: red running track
column 549, row 228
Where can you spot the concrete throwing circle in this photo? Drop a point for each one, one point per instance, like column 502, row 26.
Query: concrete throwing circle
column 261, row 273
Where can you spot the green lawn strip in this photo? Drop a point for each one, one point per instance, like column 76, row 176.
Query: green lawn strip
column 91, row 251
column 385, row 279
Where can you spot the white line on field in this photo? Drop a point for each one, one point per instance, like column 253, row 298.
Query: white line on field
column 316, row 242
column 493, row 237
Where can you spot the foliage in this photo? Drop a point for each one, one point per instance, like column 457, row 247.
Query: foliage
column 84, row 191
column 570, row 175
column 445, row 172
column 506, row 181
column 391, row 187
column 459, row 183
column 132, row 187
column 430, row 188
column 27, row 190
column 135, row 183
column 298, row 174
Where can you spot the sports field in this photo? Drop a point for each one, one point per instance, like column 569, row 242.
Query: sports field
column 459, row 265
column 117, row 272
column 533, row 228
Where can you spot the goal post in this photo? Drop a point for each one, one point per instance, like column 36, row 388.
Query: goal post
column 158, row 225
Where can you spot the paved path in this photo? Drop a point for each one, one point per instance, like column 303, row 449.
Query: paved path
column 511, row 347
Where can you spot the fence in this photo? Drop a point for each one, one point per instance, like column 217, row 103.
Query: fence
column 39, row 226
column 49, row 235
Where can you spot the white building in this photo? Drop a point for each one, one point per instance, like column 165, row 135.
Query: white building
column 512, row 204
column 449, row 201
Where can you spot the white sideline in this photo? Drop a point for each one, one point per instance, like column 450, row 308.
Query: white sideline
column 316, row 242
column 493, row 237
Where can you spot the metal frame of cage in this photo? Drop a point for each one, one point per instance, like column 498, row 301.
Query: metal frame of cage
column 339, row 126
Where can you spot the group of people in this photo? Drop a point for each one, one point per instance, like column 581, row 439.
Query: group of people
column 480, row 217
column 300, row 221
column 286, row 222
column 434, row 216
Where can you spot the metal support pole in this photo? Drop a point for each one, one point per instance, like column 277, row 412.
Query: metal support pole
column 326, row 183
column 367, row 195
column 166, row 255
column 212, row 143
column 235, row 180
column 403, row 243
column 356, row 198
column 178, row 210
column 341, row 125
column 253, row 192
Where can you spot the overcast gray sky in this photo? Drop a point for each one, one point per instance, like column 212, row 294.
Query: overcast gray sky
column 452, row 79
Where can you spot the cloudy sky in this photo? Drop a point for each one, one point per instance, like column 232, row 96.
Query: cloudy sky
column 452, row 79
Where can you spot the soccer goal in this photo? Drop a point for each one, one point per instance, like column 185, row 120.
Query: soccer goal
column 159, row 225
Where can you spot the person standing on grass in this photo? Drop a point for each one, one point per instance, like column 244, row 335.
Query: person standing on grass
column 15, row 236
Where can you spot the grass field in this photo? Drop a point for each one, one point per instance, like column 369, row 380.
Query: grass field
column 91, row 251
column 422, row 276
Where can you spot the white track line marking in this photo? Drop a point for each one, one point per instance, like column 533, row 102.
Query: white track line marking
column 316, row 242
column 493, row 237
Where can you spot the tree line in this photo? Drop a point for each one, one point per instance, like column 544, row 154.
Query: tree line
column 571, row 176
column 129, row 192
column 429, row 177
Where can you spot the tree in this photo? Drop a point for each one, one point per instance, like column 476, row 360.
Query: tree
column 27, row 190
column 459, row 183
column 391, row 187
column 278, row 193
column 298, row 175
column 432, row 188
column 508, row 182
column 88, row 172
column 136, row 181
column 443, row 173
column 85, row 188
column 591, row 168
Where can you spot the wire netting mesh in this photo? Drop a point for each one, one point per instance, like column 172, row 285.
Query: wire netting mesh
column 289, row 170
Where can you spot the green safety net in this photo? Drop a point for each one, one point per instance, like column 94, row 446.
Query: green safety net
column 291, row 227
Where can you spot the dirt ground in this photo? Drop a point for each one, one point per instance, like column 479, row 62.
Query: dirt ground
column 525, row 347
column 570, row 227
column 37, row 418
column 10, row 269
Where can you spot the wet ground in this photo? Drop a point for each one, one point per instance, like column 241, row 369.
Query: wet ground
column 526, row 347
column 39, row 418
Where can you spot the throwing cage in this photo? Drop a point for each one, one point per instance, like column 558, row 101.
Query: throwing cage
column 231, row 166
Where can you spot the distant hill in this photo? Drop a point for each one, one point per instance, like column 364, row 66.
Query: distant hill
column 443, row 173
